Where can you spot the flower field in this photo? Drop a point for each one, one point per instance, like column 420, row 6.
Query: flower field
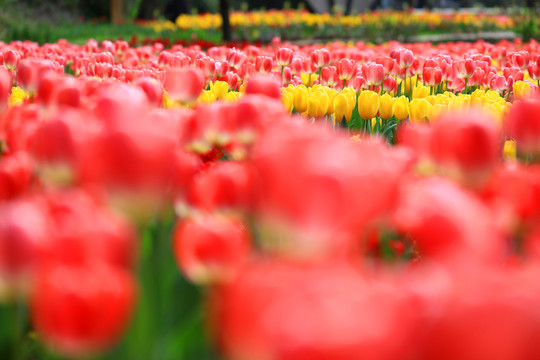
column 282, row 202
column 377, row 26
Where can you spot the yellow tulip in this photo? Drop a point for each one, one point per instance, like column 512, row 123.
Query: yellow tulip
column 17, row 96
column 331, row 96
column 307, row 79
column 300, row 98
column 509, row 152
column 232, row 96
column 386, row 106
column 522, row 90
column 317, row 104
column 419, row 110
column 343, row 107
column 368, row 104
column 242, row 87
column 220, row 89
column 420, row 92
column 206, row 97
column 401, row 108
column 287, row 98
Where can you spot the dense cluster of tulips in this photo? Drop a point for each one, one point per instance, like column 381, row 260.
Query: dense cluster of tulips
column 301, row 24
column 339, row 202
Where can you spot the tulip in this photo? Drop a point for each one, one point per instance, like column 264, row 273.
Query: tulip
column 432, row 76
column 11, row 59
column 210, row 249
column 523, row 125
column 263, row 64
column 320, row 58
column 386, row 106
column 420, row 92
column 317, row 104
column 183, row 85
column 346, row 69
column 522, row 90
column 343, row 107
column 219, row 89
column 221, row 68
column 419, row 110
column 265, row 85
column 68, row 307
column 374, row 74
column 300, row 99
column 401, row 108
column 5, row 88
column 284, row 57
column 368, row 104
column 466, row 146
column 329, row 76
column 509, row 151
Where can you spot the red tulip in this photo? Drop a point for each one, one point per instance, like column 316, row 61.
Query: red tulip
column 373, row 73
column 265, row 85
column 81, row 311
column 226, row 185
column 432, row 76
column 25, row 236
column 11, row 59
column 523, row 124
column 284, row 57
column 320, row 58
column 152, row 89
column 222, row 67
column 264, row 64
column 184, row 85
column 466, row 146
column 267, row 313
column 5, row 88
column 211, row 248
column 463, row 69
column 236, row 59
column 346, row 69
column 329, row 76
column 387, row 62
column 446, row 223
column 404, row 58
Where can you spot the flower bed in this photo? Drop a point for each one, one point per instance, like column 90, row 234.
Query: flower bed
column 275, row 202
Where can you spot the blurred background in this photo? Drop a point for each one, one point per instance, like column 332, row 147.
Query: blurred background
column 145, row 21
